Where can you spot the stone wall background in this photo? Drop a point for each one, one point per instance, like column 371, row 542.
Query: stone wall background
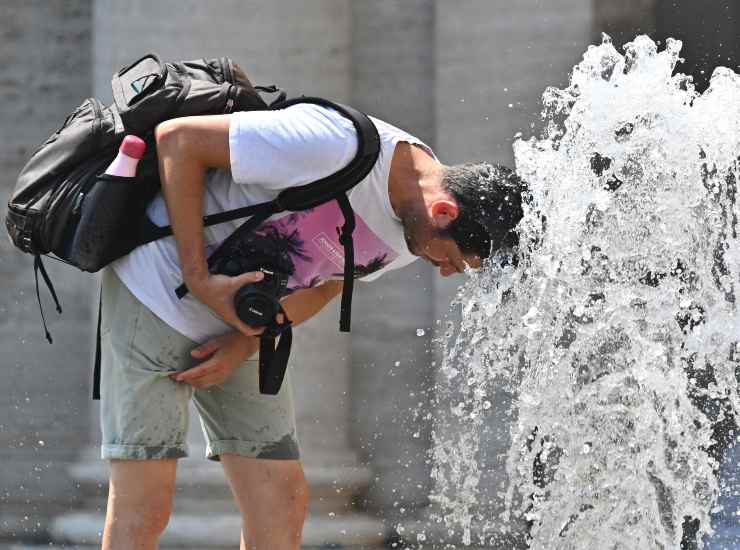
column 437, row 69
column 46, row 51
column 464, row 77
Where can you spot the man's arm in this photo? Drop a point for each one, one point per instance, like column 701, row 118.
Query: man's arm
column 305, row 303
column 225, row 353
column 187, row 147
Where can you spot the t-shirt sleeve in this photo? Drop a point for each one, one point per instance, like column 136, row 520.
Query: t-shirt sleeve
column 289, row 147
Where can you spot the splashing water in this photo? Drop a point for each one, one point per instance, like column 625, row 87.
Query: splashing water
column 617, row 333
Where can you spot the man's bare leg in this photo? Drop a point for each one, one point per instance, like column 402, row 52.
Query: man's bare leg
column 139, row 503
column 272, row 496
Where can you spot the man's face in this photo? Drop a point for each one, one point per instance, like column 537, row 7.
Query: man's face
column 425, row 238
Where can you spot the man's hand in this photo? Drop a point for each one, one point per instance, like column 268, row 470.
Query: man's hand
column 228, row 351
column 222, row 355
column 218, row 291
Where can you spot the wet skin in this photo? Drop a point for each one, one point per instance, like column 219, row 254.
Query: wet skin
column 446, row 255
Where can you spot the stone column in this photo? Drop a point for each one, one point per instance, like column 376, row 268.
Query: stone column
column 300, row 46
column 392, row 378
column 45, row 396
column 494, row 60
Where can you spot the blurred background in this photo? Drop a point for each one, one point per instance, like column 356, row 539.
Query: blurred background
column 465, row 77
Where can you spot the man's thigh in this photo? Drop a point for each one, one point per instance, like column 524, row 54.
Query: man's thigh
column 238, row 420
column 144, row 414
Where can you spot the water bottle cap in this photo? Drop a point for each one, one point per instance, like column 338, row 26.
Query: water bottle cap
column 133, row 146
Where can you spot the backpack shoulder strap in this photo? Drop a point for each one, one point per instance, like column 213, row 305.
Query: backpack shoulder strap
column 305, row 196
column 318, row 192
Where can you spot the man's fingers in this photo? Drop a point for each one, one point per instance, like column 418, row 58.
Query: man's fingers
column 247, row 278
column 458, row 263
column 207, row 378
column 206, row 349
column 194, row 373
column 248, row 330
column 204, row 382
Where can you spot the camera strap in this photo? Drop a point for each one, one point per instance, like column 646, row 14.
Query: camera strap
column 345, row 239
column 273, row 360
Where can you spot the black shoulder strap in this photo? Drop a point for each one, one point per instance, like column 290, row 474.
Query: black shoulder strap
column 304, row 196
column 368, row 149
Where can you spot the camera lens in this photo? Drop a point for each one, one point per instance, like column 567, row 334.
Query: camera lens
column 254, row 307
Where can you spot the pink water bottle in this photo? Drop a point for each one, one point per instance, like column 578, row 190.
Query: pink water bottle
column 129, row 153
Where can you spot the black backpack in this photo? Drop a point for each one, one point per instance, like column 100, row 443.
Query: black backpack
column 60, row 182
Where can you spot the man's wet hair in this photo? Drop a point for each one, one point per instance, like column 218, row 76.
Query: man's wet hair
column 489, row 198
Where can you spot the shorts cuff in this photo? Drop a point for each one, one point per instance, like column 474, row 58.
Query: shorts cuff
column 285, row 449
column 141, row 452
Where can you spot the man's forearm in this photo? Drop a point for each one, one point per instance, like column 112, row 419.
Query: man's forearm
column 182, row 179
column 304, row 304
column 186, row 148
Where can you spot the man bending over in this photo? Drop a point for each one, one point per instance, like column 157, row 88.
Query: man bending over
column 159, row 352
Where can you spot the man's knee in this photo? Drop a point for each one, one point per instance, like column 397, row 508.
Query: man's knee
column 140, row 523
column 140, row 497
column 269, row 492
column 291, row 491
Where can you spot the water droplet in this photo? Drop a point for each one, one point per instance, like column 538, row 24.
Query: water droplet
column 420, row 332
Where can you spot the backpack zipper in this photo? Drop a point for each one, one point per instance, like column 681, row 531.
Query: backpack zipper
column 230, row 99
column 82, row 194
column 226, row 70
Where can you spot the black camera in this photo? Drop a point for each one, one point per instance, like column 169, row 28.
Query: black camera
column 257, row 304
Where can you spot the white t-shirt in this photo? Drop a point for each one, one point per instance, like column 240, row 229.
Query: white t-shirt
column 270, row 151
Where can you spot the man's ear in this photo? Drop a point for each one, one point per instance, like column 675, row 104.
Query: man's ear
column 443, row 212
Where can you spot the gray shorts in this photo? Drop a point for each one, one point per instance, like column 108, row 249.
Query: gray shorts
column 144, row 414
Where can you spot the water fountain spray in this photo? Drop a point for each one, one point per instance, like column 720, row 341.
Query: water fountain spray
column 618, row 331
